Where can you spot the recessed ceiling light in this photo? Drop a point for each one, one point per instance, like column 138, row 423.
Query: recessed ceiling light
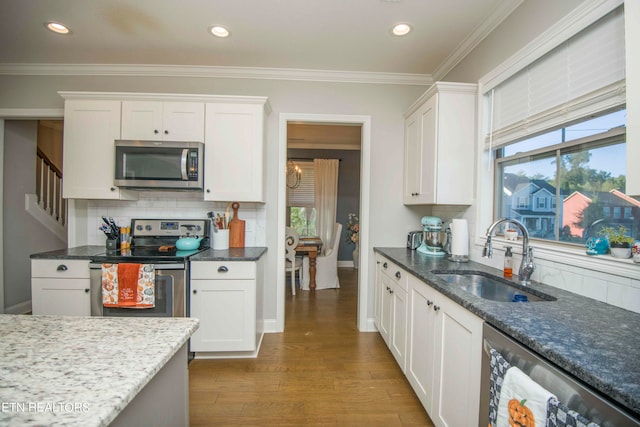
column 219, row 31
column 401, row 29
column 57, row 28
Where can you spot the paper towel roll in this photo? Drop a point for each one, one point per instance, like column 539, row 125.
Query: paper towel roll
column 459, row 237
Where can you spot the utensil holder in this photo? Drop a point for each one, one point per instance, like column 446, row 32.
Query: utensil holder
column 221, row 239
column 113, row 244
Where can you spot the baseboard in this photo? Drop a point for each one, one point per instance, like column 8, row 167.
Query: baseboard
column 21, row 308
column 271, row 326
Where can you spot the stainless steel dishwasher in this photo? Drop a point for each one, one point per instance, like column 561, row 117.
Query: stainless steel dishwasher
column 570, row 391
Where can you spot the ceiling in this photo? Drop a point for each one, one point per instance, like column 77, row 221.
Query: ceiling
column 324, row 35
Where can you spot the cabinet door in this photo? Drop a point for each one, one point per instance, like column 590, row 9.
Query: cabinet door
column 227, row 313
column 163, row 121
column 90, row 128
column 412, row 148
column 234, row 152
column 183, row 121
column 142, row 120
column 457, row 366
column 398, row 336
column 64, row 297
column 386, row 308
column 421, row 341
column 428, row 166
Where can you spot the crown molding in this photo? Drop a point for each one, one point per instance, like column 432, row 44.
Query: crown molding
column 149, row 70
column 501, row 13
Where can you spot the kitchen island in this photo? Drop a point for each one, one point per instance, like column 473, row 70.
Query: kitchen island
column 94, row 371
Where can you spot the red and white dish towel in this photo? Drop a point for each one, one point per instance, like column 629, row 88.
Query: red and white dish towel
column 126, row 285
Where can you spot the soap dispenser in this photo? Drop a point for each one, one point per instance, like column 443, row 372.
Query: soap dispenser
column 508, row 262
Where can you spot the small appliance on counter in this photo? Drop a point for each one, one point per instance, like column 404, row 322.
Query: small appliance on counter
column 414, row 239
column 434, row 236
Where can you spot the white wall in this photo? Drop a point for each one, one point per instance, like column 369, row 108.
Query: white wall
column 23, row 235
column 385, row 104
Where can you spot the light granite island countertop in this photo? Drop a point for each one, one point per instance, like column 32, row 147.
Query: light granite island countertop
column 92, row 371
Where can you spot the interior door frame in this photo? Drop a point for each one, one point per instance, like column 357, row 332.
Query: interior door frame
column 16, row 114
column 365, row 179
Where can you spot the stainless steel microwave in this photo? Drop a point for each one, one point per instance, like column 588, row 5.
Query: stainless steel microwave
column 159, row 165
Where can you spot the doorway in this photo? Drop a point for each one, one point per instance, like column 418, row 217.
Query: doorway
column 364, row 122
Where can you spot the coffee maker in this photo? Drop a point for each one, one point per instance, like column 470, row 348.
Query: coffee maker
column 434, row 240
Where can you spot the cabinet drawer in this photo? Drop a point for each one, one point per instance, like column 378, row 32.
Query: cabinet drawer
column 223, row 270
column 395, row 273
column 60, row 268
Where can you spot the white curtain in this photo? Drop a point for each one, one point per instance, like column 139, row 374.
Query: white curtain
column 326, row 199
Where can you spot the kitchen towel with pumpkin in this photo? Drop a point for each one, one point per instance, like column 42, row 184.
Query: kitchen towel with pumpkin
column 523, row 402
column 126, row 285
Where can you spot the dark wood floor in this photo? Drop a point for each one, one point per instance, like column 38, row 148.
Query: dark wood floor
column 321, row 371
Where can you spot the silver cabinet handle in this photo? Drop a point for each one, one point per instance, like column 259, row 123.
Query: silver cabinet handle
column 156, row 131
column 436, row 308
column 87, row 290
column 398, row 275
column 223, row 269
column 195, row 291
column 429, row 303
column 62, row 267
column 385, row 265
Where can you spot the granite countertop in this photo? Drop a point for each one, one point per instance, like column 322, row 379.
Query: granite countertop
column 79, row 252
column 231, row 254
column 80, row 371
column 596, row 342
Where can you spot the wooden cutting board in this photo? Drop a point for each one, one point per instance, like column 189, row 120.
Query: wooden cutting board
column 236, row 229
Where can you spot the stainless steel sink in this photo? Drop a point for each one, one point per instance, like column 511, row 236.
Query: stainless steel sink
column 491, row 287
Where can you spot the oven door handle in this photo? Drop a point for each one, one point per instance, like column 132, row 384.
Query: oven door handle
column 176, row 266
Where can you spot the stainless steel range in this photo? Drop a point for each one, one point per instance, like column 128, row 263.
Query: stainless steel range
column 153, row 241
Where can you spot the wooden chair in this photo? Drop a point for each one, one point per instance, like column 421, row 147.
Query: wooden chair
column 292, row 264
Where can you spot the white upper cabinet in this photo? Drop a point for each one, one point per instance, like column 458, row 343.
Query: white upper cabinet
column 439, row 146
column 90, row 129
column 163, row 121
column 235, row 150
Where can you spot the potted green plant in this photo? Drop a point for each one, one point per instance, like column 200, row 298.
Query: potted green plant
column 619, row 242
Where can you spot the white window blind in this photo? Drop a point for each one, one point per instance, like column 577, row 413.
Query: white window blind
column 582, row 76
column 304, row 195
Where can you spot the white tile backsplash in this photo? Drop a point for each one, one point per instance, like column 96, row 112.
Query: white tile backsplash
column 169, row 205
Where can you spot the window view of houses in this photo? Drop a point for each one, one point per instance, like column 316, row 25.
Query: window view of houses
column 568, row 184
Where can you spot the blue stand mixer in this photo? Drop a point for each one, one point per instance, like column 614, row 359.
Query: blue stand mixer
column 434, row 240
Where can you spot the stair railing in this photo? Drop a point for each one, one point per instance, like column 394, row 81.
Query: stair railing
column 49, row 188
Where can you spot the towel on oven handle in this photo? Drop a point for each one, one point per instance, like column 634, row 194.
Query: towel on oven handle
column 126, row 285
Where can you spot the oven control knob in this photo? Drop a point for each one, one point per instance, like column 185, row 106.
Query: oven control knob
column 147, row 227
column 139, row 227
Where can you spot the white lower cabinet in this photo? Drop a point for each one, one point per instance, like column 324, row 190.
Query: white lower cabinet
column 443, row 351
column 224, row 297
column 393, row 310
column 60, row 287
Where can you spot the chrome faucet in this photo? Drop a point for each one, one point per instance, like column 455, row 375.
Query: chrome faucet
column 526, row 266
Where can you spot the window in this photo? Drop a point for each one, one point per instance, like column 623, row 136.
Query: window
column 301, row 201
column 579, row 168
column 555, row 126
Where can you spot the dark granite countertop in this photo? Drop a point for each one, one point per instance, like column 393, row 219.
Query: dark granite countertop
column 594, row 341
column 79, row 252
column 87, row 251
column 231, row 254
